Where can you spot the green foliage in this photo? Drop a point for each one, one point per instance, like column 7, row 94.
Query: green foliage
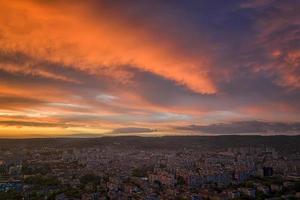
column 68, row 192
column 249, row 184
column 73, row 193
column 10, row 195
column 180, row 181
column 90, row 179
column 260, row 195
column 296, row 186
column 41, row 181
column 27, row 170
column 162, row 166
column 272, row 180
column 36, row 196
column 36, row 170
column 180, row 198
column 3, row 170
column 140, row 172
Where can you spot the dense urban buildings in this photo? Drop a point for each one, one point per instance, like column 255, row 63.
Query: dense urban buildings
column 155, row 168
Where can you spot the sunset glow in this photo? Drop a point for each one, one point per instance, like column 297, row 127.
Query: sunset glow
column 148, row 67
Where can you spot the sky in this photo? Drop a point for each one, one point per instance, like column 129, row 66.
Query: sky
column 169, row 67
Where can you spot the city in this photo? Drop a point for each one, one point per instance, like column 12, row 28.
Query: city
column 149, row 99
column 113, row 168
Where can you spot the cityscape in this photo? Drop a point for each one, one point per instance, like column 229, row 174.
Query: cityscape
column 149, row 99
column 151, row 168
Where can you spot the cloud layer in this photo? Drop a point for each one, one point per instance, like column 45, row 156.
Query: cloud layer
column 124, row 66
column 246, row 127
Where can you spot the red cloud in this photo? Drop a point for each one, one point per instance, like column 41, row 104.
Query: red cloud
column 69, row 35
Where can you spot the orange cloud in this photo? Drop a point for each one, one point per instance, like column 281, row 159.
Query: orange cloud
column 68, row 34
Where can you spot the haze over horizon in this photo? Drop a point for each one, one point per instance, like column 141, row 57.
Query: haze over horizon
column 149, row 68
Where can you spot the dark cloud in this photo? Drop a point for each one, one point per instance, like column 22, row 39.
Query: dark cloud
column 129, row 130
column 276, row 41
column 20, row 63
column 16, row 102
column 246, row 127
column 34, row 124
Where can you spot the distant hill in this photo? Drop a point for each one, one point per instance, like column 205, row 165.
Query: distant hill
column 283, row 143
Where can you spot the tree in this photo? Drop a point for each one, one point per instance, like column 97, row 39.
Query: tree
column 90, row 179
column 180, row 181
column 42, row 180
column 10, row 195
